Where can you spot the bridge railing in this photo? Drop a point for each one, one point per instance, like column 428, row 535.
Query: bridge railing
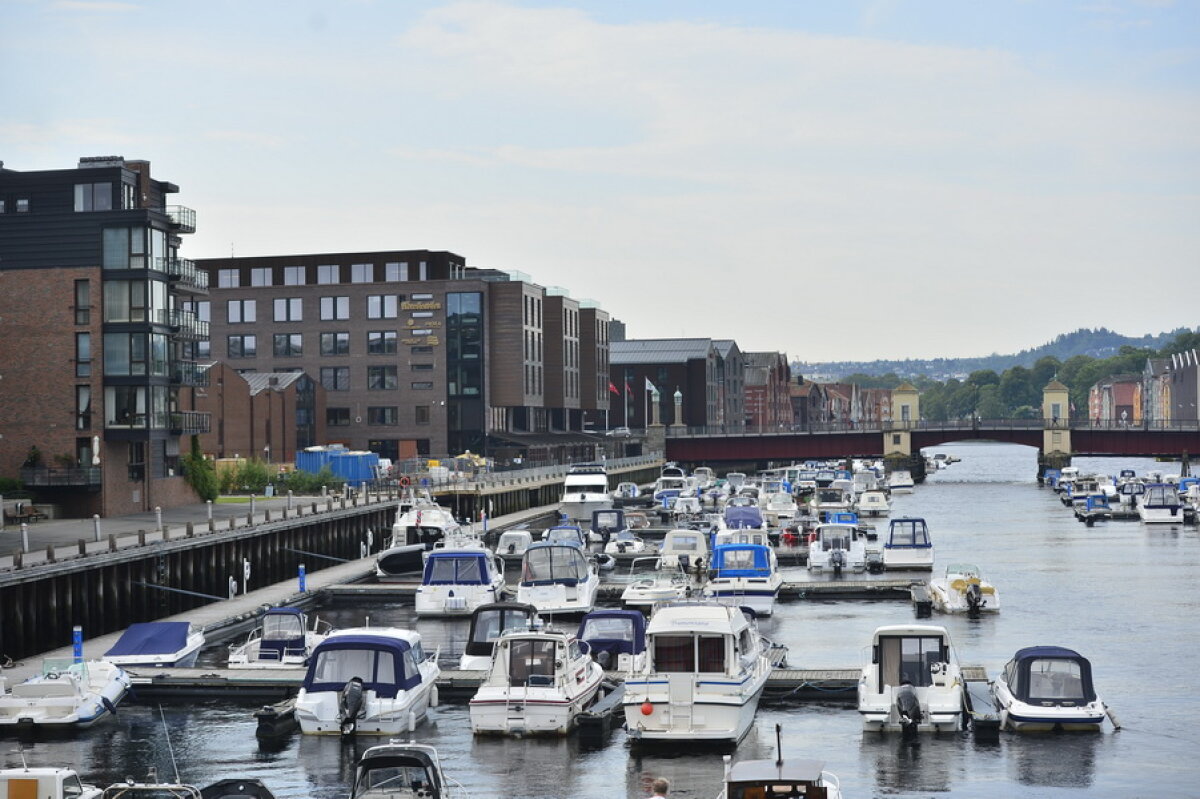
column 825, row 428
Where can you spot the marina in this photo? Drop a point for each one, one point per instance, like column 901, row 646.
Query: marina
column 210, row 708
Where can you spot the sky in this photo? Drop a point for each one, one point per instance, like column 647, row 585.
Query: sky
column 849, row 179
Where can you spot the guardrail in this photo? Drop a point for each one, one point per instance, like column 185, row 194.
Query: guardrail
column 819, row 428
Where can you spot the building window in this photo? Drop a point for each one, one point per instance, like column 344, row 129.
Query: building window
column 93, row 196
column 381, row 378
column 422, row 349
column 383, row 415
column 382, row 306
column 83, row 407
column 288, row 345
column 288, row 309
column 335, row 308
column 422, row 314
column 362, row 273
column 293, row 276
column 335, row 343
column 423, row 272
column 421, row 414
column 242, row 346
column 260, row 276
column 395, row 272
column 204, row 349
column 381, row 342
column 137, row 460
column 422, row 385
column 83, row 354
column 337, row 417
column 83, row 302
column 22, row 205
column 241, row 311
column 226, row 278
column 385, row 448
column 422, row 367
column 422, row 296
column 327, row 274
column 335, row 378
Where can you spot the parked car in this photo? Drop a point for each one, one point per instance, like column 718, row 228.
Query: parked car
column 619, row 432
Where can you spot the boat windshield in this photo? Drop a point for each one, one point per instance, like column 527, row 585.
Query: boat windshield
column 553, row 564
column 282, row 627
column 908, row 659
column 681, row 543
column 564, row 535
column 689, row 653
column 626, row 535
column 531, row 662
column 487, row 626
column 839, row 537
column 391, row 780
column 466, row 570
column 908, row 533
column 1055, row 680
column 609, row 629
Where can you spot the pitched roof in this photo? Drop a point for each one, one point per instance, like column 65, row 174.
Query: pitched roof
column 658, row 350
column 261, row 381
column 725, row 346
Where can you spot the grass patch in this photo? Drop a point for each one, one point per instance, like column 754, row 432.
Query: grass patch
column 233, row 500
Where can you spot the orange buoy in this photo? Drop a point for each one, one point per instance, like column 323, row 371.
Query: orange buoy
column 647, row 708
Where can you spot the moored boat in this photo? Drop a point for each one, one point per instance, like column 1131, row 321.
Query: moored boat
column 912, row 681
column 585, row 489
column 778, row 779
column 456, row 581
column 66, row 694
column 157, row 643
column 420, row 525
column 282, row 640
column 487, row 623
column 558, row 578
column 837, row 548
column 963, row 590
column 908, row 545
column 1048, row 688
column 44, row 782
column 744, row 575
column 401, row 771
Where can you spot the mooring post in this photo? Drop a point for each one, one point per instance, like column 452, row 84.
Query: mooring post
column 82, row 547
column 141, row 538
column 158, row 518
column 49, row 553
column 191, row 530
column 208, row 503
column 324, row 491
column 16, row 556
column 289, row 502
column 232, row 522
column 303, row 581
column 25, row 536
column 96, row 526
column 77, row 643
column 112, row 542
column 267, row 514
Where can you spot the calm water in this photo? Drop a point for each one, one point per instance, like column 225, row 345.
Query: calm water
column 1121, row 593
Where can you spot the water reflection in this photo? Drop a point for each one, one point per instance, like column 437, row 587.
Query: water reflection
column 1050, row 760
column 918, row 764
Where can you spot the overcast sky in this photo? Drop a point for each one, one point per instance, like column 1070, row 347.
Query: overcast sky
column 830, row 179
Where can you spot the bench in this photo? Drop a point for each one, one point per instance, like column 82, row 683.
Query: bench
column 30, row 514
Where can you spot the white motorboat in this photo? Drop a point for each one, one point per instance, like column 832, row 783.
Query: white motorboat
column 1048, row 688
column 684, row 546
column 900, row 482
column 283, row 640
column 654, row 579
column 402, row 771
column 487, row 623
column 558, row 578
column 704, row 677
column 743, row 513
column 828, row 501
column 456, row 581
column 616, row 639
column 837, row 548
column 912, row 681
column 705, row 477
column 778, row 779
column 1160, row 504
column 514, row 542
column 626, row 492
column 625, row 542
column 566, row 534
column 420, row 525
column 539, row 683
column 67, row 694
column 908, row 545
column 585, row 489
column 686, row 507
column 157, row 643
column 368, row 680
column 779, row 509
column 963, row 590
column 606, row 524
column 744, row 575
column 874, row 502
column 45, row 783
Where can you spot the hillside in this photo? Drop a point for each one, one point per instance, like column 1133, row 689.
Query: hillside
column 1098, row 343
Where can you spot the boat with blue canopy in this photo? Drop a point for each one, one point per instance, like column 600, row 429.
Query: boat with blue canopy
column 908, row 545
column 283, row 640
column 456, row 581
column 617, row 638
column 744, row 575
column 157, row 643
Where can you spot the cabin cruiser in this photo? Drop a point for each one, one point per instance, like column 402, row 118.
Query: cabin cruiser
column 558, row 578
column 539, row 683
column 615, row 638
column 1048, row 688
column 668, row 486
column 282, row 640
column 963, row 590
column 873, row 502
column 487, row 623
column 369, row 680
column 908, row 545
column 44, row 783
column 565, row 534
column 456, row 581
column 419, row 526
column 1066, row 476
column 735, row 480
column 837, row 548
column 744, row 575
column 705, row 477
column 827, row 501
column 912, row 682
column 401, row 771
column 742, row 513
column 66, row 694
column 685, row 546
column 704, row 677
column 1161, row 504
column 627, row 493
column 514, row 542
column 605, row 524
column 654, row 579
column 157, row 643
column 778, row 779
column 900, row 482
column 585, row 489
column 864, row 480
column 154, row 788
column 779, row 509
column 625, row 543
column 686, row 507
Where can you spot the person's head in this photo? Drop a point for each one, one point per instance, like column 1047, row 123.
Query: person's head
column 660, row 787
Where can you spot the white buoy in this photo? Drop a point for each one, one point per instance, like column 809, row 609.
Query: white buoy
column 1111, row 716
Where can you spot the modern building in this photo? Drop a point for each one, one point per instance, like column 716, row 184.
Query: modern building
column 98, row 350
column 1183, row 372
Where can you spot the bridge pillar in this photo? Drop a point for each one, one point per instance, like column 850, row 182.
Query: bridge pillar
column 1056, row 428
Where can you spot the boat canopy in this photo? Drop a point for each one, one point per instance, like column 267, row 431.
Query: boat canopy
column 1050, row 675
column 566, row 534
column 910, row 533
column 741, row 517
column 843, row 517
column 282, row 634
column 237, row 789
column 615, row 631
column 151, row 638
column 395, row 769
column 547, row 562
column 1097, row 502
column 772, row 778
column 836, row 536
column 742, row 560
column 1161, row 495
column 456, row 568
column 489, row 621
column 384, row 664
column 909, row 657
column 609, row 520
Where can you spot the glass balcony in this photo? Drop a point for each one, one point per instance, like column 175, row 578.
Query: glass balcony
column 188, row 325
column 183, row 219
column 190, row 422
column 184, row 274
column 48, row 477
column 189, row 373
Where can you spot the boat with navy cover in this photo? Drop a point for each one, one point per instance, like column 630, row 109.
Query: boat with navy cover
column 456, row 581
column 157, row 643
column 487, row 623
column 1047, row 688
column 908, row 545
column 615, row 638
column 67, row 694
column 402, row 771
column 282, row 640
column 744, row 575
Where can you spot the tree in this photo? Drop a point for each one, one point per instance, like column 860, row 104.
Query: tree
column 989, row 405
column 1043, row 372
column 983, row 377
column 1016, row 388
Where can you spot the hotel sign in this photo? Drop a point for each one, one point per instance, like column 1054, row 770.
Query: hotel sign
column 431, row 340
column 422, row 305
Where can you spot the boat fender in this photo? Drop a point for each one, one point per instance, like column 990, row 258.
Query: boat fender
column 108, row 705
column 647, row 708
column 433, row 696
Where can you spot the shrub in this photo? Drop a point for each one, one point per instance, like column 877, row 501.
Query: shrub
column 200, row 473
column 302, row 482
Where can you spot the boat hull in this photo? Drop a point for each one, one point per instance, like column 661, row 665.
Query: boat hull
column 317, row 713
column 530, row 711
column 726, row 721
column 53, row 702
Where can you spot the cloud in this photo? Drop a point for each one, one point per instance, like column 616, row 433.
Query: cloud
column 95, row 5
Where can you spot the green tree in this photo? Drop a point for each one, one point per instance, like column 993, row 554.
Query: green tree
column 990, row 405
column 200, row 473
column 1016, row 388
column 983, row 377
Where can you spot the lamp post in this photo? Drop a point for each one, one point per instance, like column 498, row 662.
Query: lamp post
column 678, row 407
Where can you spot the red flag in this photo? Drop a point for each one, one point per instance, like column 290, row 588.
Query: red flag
column 613, row 388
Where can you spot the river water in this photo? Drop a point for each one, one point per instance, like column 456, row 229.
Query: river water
column 1121, row 593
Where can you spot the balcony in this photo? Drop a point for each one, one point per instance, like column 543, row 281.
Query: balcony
column 189, row 373
column 185, row 423
column 187, row 325
column 183, row 219
column 185, row 275
column 49, row 477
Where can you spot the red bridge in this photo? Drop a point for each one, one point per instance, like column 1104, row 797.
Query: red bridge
column 1154, row 439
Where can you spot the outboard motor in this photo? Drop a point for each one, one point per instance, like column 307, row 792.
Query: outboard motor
column 908, row 707
column 837, row 559
column 621, row 547
column 975, row 601
column 512, row 548
column 603, row 657
column 350, row 701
